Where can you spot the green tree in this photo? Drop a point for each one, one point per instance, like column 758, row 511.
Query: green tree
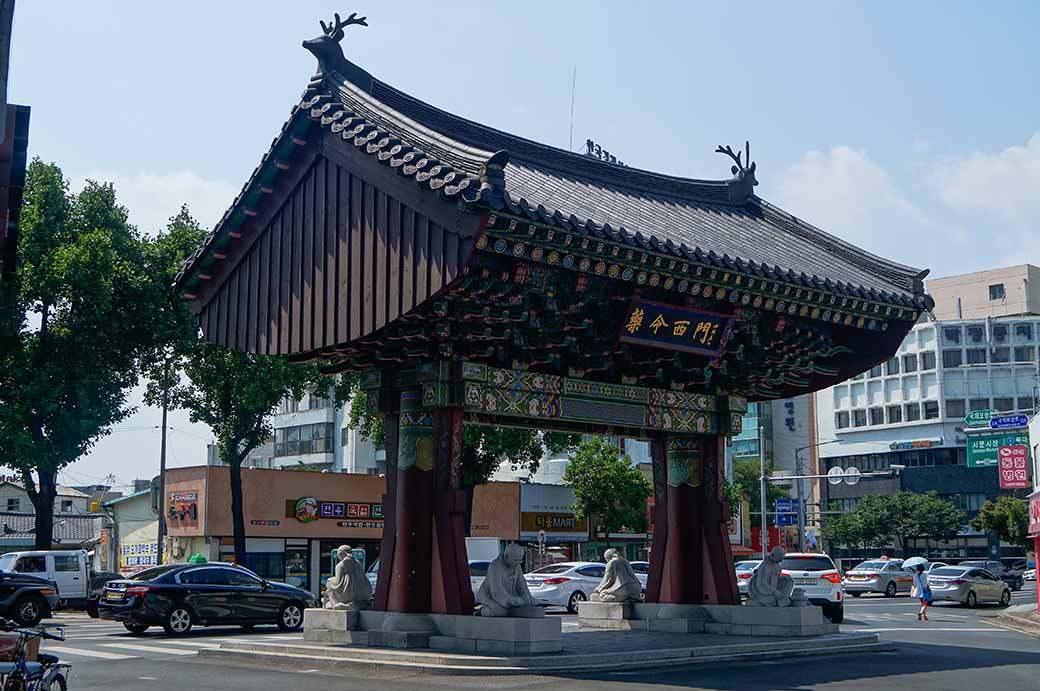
column 607, row 487
column 1007, row 517
column 485, row 447
column 843, row 530
column 746, row 478
column 77, row 321
column 883, row 519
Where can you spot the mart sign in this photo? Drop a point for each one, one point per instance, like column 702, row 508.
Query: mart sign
column 984, row 449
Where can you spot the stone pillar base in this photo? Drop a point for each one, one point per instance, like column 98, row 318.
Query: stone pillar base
column 454, row 632
column 735, row 620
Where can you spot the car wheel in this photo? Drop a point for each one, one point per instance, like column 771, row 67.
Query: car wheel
column 836, row 613
column 972, row 600
column 576, row 597
column 291, row 617
column 1017, row 586
column 27, row 610
column 890, row 589
column 1005, row 598
column 136, row 629
column 178, row 621
column 855, row 594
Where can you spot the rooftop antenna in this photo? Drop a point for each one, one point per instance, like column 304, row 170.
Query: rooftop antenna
column 574, row 81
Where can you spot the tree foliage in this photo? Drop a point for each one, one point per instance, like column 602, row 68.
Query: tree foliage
column 746, row 473
column 78, row 322
column 606, row 486
column 1007, row 517
column 883, row 519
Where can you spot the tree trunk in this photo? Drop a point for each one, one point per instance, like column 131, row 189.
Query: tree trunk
column 467, row 518
column 42, row 498
column 237, row 518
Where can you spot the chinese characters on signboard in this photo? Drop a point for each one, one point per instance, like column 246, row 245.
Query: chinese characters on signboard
column 1014, row 467
column 135, row 556
column 664, row 326
column 1034, row 516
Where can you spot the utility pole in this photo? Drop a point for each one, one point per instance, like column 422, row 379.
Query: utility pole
column 763, row 531
column 162, row 468
column 801, row 503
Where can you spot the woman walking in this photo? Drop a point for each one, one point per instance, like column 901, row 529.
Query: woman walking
column 922, row 592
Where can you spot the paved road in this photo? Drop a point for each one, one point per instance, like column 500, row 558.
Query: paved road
column 957, row 649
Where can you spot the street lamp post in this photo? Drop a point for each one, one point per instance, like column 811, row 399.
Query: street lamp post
column 763, row 530
column 801, row 498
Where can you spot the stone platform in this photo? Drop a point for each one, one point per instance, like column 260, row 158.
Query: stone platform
column 449, row 632
column 734, row 620
column 585, row 651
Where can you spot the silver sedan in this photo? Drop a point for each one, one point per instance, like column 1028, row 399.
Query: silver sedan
column 745, row 569
column 878, row 576
column 968, row 586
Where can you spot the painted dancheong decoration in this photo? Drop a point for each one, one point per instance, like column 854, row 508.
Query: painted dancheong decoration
column 473, row 276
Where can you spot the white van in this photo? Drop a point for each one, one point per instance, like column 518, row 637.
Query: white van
column 68, row 568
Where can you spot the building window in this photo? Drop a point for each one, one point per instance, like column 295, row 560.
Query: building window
column 1004, row 404
column 875, row 371
column 913, row 412
column 955, row 407
column 978, row 404
column 1024, row 353
column 1024, row 332
column 1001, row 355
column 289, row 405
column 13, row 504
column 931, row 410
column 895, row 414
column 976, row 356
column 909, row 363
column 952, row 358
column 952, row 335
column 877, row 416
column 320, row 400
column 996, row 291
column 1000, row 333
column 892, row 366
column 927, row 360
column 976, row 334
column 66, row 505
column 841, row 420
column 1025, row 403
column 859, row 418
column 316, row 438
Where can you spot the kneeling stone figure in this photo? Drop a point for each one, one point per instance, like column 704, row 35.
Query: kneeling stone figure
column 619, row 583
column 769, row 587
column 349, row 587
column 504, row 591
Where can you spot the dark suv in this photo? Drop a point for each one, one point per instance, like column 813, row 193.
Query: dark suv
column 26, row 599
column 179, row 596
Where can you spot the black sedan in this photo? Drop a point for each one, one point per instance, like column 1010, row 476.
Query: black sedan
column 179, row 596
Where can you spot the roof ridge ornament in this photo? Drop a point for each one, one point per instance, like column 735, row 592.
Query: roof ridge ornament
column 326, row 47
column 742, row 186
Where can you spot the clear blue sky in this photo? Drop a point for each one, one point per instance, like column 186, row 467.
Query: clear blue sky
column 912, row 129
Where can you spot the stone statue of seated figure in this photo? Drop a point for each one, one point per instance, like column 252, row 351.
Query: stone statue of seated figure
column 349, row 587
column 771, row 588
column 619, row 582
column 504, row 591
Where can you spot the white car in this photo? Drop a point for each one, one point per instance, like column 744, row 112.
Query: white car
column 1029, row 575
column 477, row 572
column 565, row 584
column 642, row 569
column 745, row 569
column 819, row 578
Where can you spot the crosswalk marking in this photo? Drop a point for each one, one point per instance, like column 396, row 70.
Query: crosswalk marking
column 65, row 650
column 149, row 649
column 193, row 644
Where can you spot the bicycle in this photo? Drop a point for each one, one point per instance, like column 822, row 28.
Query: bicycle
column 47, row 673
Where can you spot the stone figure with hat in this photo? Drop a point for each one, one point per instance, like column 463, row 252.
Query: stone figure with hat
column 619, row 583
column 504, row 591
column 349, row 588
column 769, row 587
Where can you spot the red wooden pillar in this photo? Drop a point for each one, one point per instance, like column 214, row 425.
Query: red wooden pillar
column 423, row 560
column 690, row 557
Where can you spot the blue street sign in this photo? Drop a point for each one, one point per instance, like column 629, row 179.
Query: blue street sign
column 1003, row 421
column 786, row 519
column 785, row 505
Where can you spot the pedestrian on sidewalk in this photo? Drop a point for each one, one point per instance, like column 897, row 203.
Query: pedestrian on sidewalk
column 922, row 592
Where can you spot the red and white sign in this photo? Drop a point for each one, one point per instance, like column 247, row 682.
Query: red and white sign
column 1014, row 467
column 1034, row 518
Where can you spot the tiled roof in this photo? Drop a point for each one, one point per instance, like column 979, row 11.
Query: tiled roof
column 67, row 529
column 700, row 220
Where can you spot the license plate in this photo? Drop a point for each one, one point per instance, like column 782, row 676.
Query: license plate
column 113, row 596
column 534, row 583
column 857, row 578
column 805, row 581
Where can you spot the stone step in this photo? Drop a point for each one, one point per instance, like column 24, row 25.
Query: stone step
column 333, row 658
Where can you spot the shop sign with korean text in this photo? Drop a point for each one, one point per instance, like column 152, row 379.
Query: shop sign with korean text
column 674, row 328
column 983, row 449
column 1014, row 466
column 1034, row 516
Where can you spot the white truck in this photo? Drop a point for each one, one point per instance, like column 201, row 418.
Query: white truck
column 69, row 569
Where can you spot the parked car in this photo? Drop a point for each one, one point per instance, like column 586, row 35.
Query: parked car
column 25, row 598
column 967, row 585
column 745, row 569
column 97, row 586
column 477, row 572
column 566, row 584
column 1029, row 575
column 933, row 565
column 179, row 596
column 1013, row 578
column 69, row 569
column 819, row 578
column 877, row 576
column 642, row 569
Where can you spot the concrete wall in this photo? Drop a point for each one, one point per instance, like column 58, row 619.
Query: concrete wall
column 1021, row 293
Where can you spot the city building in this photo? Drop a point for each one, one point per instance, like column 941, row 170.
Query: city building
column 905, row 416
column 132, row 539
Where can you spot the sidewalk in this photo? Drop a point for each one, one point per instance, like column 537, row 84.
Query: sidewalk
column 1021, row 618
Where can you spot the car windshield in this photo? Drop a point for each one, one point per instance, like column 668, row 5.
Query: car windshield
column 974, row 564
column 870, row 565
column 553, row 568
column 747, row 565
column 948, row 571
column 153, row 573
column 7, row 561
column 807, row 563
